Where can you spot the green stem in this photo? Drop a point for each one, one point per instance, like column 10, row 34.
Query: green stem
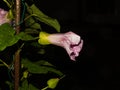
column 62, row 77
column 30, row 16
column 5, row 64
column 45, row 88
column 2, row 65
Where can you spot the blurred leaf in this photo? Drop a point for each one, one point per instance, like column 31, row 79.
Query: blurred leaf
column 10, row 14
column 43, row 62
column 41, row 51
column 31, row 87
column 36, row 44
column 52, row 83
column 31, row 23
column 39, row 69
column 10, row 84
column 7, row 36
column 25, row 37
column 31, row 31
column 24, row 85
column 25, row 74
column 44, row 18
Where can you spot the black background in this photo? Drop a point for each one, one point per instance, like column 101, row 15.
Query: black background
column 97, row 22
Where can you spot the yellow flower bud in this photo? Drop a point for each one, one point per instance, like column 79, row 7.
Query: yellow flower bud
column 43, row 38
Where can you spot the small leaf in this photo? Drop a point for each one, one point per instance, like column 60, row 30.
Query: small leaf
column 52, row 83
column 25, row 74
column 44, row 18
column 10, row 15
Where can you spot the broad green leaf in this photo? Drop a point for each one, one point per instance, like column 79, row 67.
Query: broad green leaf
column 52, row 83
column 39, row 69
column 31, row 87
column 39, row 15
column 7, row 36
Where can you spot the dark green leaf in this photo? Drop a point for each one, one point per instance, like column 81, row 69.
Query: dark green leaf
column 24, row 85
column 31, row 87
column 43, row 62
column 10, row 84
column 30, row 22
column 39, row 69
column 31, row 31
column 44, row 18
column 25, row 37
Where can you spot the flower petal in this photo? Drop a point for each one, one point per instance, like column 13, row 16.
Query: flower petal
column 3, row 16
column 70, row 41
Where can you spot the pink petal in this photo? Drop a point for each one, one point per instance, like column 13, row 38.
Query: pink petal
column 69, row 41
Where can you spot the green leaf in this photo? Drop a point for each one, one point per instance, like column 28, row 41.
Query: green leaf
column 43, row 62
column 31, row 87
column 36, row 44
column 44, row 18
column 31, row 31
column 52, row 83
column 25, row 74
column 25, row 37
column 7, row 36
column 30, row 22
column 10, row 84
column 39, row 69
column 24, row 85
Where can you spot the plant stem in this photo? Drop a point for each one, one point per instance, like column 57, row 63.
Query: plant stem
column 5, row 64
column 45, row 88
column 17, row 68
column 17, row 17
column 17, row 53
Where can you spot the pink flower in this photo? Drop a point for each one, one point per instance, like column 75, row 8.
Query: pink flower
column 70, row 41
column 3, row 16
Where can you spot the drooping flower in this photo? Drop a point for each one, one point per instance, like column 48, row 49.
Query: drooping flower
column 3, row 16
column 70, row 41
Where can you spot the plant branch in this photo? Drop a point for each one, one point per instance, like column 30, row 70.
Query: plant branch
column 17, row 53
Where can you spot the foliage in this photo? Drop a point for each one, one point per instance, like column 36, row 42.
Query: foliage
column 31, row 20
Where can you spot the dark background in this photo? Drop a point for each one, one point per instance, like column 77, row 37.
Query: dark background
column 97, row 22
